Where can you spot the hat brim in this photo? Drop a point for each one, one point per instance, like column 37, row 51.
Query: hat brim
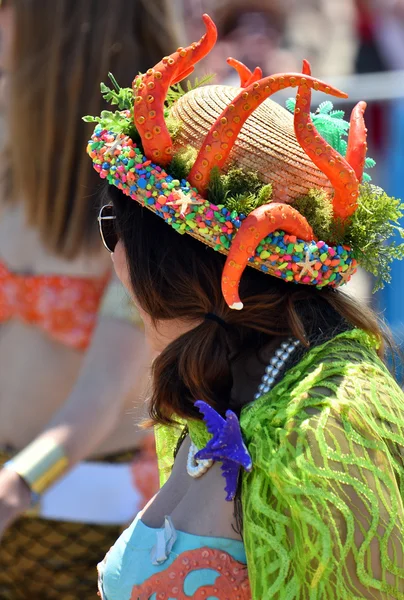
column 118, row 159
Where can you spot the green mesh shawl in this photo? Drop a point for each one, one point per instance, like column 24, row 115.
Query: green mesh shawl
column 323, row 512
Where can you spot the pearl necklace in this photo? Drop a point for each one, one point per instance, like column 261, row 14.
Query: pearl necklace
column 276, row 364
column 197, row 468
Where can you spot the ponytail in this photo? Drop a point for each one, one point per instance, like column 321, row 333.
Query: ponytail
column 195, row 366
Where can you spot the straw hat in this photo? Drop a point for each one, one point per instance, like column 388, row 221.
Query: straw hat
column 240, row 126
column 266, row 144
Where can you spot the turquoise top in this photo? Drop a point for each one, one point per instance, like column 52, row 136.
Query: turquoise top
column 129, row 562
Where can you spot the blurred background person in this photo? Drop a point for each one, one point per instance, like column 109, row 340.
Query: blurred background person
column 387, row 23
column 278, row 34
column 68, row 383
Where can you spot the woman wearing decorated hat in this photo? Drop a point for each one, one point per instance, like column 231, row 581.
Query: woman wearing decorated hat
column 269, row 386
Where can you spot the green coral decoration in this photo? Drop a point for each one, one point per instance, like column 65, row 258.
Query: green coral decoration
column 264, row 195
column 239, row 191
column 173, row 126
column 316, row 207
column 237, row 181
column 182, row 163
column 332, row 126
column 116, row 122
column 122, row 97
column 376, row 221
column 216, row 192
column 243, row 204
column 120, row 121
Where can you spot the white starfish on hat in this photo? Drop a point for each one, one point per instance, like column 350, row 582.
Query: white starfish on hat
column 184, row 202
column 112, row 146
column 307, row 265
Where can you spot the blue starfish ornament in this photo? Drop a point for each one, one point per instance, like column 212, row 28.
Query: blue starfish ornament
column 226, row 445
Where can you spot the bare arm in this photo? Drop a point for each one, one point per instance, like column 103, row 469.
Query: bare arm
column 116, row 365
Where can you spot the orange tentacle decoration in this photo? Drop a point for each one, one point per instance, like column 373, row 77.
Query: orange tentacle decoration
column 332, row 164
column 232, row 580
column 223, row 133
column 260, row 222
column 182, row 75
column 357, row 146
column 247, row 77
column 150, row 91
column 256, row 75
column 306, row 69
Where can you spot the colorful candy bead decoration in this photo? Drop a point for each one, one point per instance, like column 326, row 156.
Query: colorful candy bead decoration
column 118, row 159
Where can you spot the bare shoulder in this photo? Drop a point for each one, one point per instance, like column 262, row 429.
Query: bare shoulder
column 196, row 505
column 172, row 491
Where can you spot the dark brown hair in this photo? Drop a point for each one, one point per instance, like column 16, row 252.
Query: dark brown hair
column 177, row 277
column 63, row 49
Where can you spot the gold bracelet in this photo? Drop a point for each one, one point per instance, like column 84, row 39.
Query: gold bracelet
column 40, row 464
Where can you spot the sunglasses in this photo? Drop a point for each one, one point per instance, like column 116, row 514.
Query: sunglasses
column 107, row 225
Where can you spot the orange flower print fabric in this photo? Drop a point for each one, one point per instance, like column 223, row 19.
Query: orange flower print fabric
column 64, row 307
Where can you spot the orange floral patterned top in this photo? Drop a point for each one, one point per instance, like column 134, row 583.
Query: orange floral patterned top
column 65, row 307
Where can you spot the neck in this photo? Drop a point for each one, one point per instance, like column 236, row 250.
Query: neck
column 248, row 371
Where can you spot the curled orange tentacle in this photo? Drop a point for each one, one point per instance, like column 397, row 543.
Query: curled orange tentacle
column 261, row 222
column 329, row 161
column 306, row 70
column 247, row 77
column 357, row 146
column 182, row 75
column 150, row 91
column 223, row 133
column 256, row 75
